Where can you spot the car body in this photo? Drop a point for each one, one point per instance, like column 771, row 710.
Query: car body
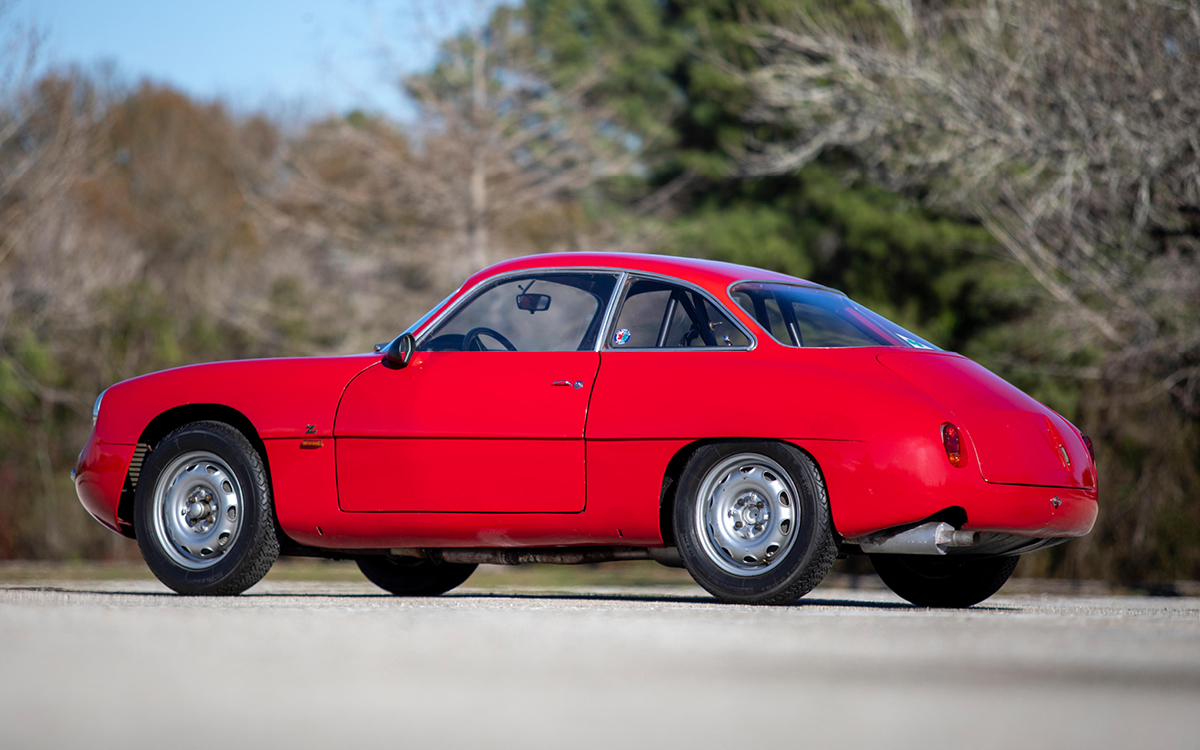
column 455, row 446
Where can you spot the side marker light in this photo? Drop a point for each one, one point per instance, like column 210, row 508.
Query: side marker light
column 1087, row 442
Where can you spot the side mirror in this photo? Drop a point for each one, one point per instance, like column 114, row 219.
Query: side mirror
column 398, row 353
column 533, row 303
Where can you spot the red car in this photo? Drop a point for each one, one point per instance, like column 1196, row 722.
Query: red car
column 747, row 425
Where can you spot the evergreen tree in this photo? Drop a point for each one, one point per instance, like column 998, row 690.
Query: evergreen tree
column 673, row 75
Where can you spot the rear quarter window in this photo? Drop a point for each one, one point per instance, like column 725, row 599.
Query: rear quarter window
column 815, row 317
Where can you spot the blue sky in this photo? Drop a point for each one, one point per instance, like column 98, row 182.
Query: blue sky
column 334, row 55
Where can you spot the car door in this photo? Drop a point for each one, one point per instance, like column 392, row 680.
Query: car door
column 489, row 415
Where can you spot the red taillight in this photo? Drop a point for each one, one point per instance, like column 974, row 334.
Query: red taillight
column 953, row 442
column 1087, row 442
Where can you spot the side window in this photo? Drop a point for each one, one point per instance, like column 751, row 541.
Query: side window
column 820, row 327
column 559, row 312
column 800, row 315
column 657, row 314
column 765, row 310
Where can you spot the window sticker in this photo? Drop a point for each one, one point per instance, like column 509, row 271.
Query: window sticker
column 621, row 337
column 914, row 343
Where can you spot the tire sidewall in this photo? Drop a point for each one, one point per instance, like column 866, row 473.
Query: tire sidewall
column 806, row 549
column 257, row 517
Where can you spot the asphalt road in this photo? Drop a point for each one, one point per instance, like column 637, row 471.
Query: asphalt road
column 336, row 665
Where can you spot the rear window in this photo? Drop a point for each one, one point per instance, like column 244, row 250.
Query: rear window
column 813, row 317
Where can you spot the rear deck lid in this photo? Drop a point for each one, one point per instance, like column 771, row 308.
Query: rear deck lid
column 1016, row 439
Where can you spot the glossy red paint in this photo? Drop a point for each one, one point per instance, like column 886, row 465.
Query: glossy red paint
column 1019, row 441
column 480, row 449
column 99, row 478
column 497, row 416
column 280, row 397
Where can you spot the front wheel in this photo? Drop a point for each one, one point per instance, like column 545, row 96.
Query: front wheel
column 203, row 515
column 950, row 581
column 407, row 576
column 752, row 522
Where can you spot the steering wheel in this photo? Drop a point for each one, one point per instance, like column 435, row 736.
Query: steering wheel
column 471, row 342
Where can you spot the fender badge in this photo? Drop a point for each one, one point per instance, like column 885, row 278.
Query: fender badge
column 310, row 429
column 621, row 337
column 1055, row 501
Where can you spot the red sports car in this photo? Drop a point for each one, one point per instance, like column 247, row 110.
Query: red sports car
column 746, row 425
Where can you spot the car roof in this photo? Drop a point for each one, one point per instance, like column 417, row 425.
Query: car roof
column 713, row 275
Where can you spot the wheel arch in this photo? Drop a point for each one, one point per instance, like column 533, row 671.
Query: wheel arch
column 166, row 423
column 674, row 472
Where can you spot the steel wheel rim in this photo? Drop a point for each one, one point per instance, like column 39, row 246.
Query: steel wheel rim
column 197, row 510
column 747, row 514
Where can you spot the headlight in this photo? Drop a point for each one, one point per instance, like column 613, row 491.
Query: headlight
column 96, row 407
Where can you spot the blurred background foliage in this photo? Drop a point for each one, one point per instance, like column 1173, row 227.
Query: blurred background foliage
column 141, row 229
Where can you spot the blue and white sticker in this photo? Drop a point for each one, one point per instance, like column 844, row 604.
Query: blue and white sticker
column 621, row 337
column 914, row 343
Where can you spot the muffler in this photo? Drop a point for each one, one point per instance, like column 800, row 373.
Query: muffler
column 932, row 538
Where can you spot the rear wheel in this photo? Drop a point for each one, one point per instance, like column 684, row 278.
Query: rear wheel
column 409, row 576
column 752, row 522
column 950, row 581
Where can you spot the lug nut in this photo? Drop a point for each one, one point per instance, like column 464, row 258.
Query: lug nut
column 760, row 503
column 758, row 527
column 737, row 525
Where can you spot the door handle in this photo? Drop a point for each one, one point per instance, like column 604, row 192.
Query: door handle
column 576, row 385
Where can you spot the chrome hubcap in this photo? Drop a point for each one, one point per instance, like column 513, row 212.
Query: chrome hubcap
column 747, row 514
column 197, row 510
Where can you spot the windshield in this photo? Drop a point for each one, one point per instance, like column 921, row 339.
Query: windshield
column 815, row 317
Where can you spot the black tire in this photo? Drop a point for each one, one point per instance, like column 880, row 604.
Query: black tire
column 806, row 557
column 252, row 543
column 950, row 581
column 410, row 576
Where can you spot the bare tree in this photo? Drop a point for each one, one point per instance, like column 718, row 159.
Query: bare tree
column 526, row 139
column 1069, row 129
column 493, row 168
column 44, row 145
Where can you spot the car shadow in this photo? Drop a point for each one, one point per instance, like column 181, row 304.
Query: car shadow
column 523, row 596
column 666, row 599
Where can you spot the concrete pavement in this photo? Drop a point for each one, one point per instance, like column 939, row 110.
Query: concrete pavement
column 127, row 664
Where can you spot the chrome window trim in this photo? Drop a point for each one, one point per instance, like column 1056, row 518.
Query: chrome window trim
column 610, row 314
column 470, row 294
column 427, row 318
column 631, row 275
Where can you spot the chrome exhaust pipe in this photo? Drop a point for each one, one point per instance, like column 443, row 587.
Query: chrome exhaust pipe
column 932, row 538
